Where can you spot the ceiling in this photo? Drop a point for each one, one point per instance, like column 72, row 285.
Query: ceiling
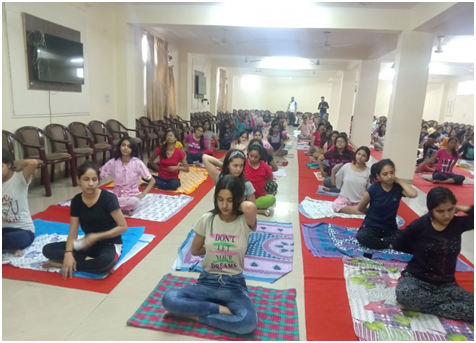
column 340, row 49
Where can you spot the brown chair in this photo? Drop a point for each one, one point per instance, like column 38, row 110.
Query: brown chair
column 102, row 135
column 153, row 127
column 150, row 137
column 8, row 143
column 118, row 131
column 60, row 132
column 33, row 139
column 85, row 138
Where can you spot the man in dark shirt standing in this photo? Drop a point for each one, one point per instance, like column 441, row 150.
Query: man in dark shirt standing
column 323, row 106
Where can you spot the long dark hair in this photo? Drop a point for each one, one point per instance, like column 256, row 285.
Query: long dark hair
column 223, row 128
column 209, row 125
column 364, row 148
column 454, row 152
column 202, row 137
column 230, row 156
column 259, row 148
column 376, row 169
column 7, row 158
column 133, row 144
column 346, row 149
column 163, row 151
column 237, row 189
column 85, row 166
column 437, row 196
column 380, row 130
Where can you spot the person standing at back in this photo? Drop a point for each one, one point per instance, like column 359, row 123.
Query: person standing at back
column 323, row 107
column 292, row 109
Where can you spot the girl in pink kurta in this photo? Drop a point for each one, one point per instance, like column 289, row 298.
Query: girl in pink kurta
column 127, row 169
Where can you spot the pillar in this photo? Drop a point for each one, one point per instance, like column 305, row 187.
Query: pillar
column 346, row 101
column 186, row 83
column 334, row 100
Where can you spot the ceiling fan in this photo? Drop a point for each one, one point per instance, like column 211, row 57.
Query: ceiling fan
column 249, row 61
column 223, row 41
column 439, row 48
column 327, row 45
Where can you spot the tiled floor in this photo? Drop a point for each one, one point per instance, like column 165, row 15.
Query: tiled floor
column 33, row 311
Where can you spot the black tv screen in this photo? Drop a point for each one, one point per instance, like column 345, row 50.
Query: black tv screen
column 60, row 60
column 200, row 85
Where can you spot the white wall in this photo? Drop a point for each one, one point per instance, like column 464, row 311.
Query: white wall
column 274, row 93
column 434, row 94
column 458, row 108
column 21, row 106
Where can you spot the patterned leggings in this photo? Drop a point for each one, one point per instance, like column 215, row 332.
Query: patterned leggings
column 447, row 300
column 376, row 237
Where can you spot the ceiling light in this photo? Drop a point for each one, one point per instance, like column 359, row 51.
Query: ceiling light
column 439, row 48
column 286, row 63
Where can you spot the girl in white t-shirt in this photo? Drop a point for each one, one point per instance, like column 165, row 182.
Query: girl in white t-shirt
column 18, row 231
column 353, row 180
column 220, row 297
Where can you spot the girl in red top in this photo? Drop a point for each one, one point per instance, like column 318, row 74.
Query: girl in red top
column 261, row 177
column 169, row 164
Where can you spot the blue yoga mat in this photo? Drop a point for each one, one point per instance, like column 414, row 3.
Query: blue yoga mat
column 129, row 239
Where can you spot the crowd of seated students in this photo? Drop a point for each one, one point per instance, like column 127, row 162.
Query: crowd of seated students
column 245, row 188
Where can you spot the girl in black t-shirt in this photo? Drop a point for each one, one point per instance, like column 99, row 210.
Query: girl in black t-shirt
column 100, row 217
column 428, row 283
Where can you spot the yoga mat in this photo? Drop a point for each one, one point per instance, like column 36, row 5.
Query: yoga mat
column 320, row 190
column 376, row 316
column 160, row 207
column 189, row 182
column 376, row 154
column 268, row 258
column 464, row 193
column 312, row 165
column 429, row 178
column 276, row 310
column 61, row 214
column 328, row 240
column 43, row 228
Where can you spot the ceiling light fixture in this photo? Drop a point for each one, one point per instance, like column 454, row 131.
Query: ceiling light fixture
column 439, row 48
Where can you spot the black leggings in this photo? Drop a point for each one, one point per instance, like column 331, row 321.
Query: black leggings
column 376, row 237
column 104, row 256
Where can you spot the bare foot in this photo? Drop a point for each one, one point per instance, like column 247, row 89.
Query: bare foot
column 17, row 253
column 51, row 264
column 266, row 213
column 168, row 314
column 127, row 212
column 325, row 189
column 224, row 310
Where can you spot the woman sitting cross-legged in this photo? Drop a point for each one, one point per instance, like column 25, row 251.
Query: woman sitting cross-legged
column 447, row 158
column 169, row 164
column 18, row 231
column 341, row 154
column 220, row 297
column 195, row 145
column 428, row 282
column 100, row 217
column 380, row 225
column 127, row 170
column 353, row 180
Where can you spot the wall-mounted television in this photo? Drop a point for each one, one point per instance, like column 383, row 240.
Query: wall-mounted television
column 200, row 85
column 60, row 60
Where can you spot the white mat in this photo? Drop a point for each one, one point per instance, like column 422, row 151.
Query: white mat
column 279, row 173
column 316, row 209
column 33, row 256
column 160, row 207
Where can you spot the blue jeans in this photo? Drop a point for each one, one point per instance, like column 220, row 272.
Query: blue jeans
column 196, row 157
column 16, row 239
column 166, row 185
column 459, row 179
column 203, row 298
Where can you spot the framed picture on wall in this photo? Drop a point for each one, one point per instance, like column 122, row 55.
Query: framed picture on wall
column 450, row 105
